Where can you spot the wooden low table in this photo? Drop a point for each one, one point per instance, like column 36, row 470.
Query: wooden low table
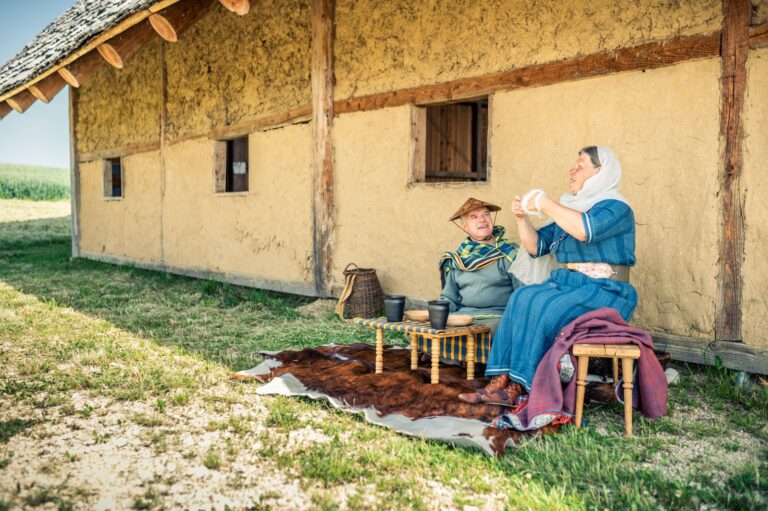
column 436, row 337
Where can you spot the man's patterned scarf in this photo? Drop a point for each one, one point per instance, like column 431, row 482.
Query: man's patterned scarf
column 471, row 255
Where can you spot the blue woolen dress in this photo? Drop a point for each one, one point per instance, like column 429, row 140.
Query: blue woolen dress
column 535, row 314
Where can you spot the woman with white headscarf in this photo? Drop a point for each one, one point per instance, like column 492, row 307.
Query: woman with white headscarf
column 583, row 254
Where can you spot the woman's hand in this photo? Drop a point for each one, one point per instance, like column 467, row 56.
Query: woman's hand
column 517, row 208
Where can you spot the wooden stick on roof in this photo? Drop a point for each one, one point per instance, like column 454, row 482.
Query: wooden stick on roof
column 47, row 88
column 240, row 7
column 21, row 101
column 79, row 71
column 5, row 109
column 118, row 50
column 171, row 22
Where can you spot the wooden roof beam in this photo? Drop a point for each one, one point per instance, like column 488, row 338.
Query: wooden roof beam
column 21, row 101
column 240, row 7
column 47, row 88
column 173, row 21
column 5, row 109
column 118, row 50
column 79, row 71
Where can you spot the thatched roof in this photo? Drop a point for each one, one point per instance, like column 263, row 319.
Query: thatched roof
column 70, row 31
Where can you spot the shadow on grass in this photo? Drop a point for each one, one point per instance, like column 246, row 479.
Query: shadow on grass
column 13, row 427
column 223, row 323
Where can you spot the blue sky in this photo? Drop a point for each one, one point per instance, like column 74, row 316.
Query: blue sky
column 39, row 136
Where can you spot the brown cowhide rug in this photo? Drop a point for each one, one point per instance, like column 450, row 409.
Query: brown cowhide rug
column 400, row 398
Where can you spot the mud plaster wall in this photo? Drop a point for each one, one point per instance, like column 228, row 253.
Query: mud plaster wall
column 265, row 232
column 759, row 11
column 755, row 182
column 118, row 107
column 228, row 68
column 382, row 46
column 129, row 227
column 663, row 124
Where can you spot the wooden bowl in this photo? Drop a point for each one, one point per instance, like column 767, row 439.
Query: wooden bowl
column 421, row 316
column 460, row 319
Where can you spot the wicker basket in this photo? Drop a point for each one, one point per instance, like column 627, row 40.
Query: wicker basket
column 362, row 296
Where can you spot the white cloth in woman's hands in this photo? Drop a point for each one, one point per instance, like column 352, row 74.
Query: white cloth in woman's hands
column 537, row 194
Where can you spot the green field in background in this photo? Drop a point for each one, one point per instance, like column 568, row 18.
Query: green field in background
column 33, row 183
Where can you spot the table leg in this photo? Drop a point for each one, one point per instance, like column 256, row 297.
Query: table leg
column 615, row 371
column 435, row 360
column 414, row 351
column 471, row 356
column 626, row 369
column 379, row 351
column 581, row 382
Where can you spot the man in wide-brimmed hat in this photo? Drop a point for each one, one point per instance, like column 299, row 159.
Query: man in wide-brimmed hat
column 474, row 276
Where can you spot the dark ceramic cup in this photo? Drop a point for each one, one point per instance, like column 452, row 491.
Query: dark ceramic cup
column 394, row 306
column 438, row 314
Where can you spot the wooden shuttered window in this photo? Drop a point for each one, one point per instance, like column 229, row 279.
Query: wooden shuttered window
column 232, row 165
column 451, row 142
column 113, row 178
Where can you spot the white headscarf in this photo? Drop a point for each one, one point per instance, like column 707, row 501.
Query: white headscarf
column 602, row 186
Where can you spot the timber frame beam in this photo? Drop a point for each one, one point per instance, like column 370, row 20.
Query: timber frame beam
column 322, row 146
column 734, row 53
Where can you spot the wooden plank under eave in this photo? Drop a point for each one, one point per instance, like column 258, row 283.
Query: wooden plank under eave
column 47, row 88
column 734, row 53
column 170, row 23
column 76, row 73
column 21, row 101
column 119, row 50
column 322, row 148
column 240, row 7
column 5, row 109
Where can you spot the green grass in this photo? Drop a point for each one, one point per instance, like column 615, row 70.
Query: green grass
column 131, row 334
column 33, row 183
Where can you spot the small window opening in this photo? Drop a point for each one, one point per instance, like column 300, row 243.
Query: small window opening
column 113, row 177
column 451, row 142
column 232, row 165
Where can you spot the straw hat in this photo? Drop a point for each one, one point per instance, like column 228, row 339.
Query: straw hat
column 471, row 204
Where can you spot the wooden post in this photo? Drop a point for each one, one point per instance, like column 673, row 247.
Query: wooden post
column 322, row 152
column 74, row 173
column 471, row 347
column 379, row 351
column 581, row 387
column 734, row 50
column 435, row 373
column 627, row 376
column 414, row 351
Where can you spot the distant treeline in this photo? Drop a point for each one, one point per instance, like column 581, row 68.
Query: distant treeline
column 33, row 183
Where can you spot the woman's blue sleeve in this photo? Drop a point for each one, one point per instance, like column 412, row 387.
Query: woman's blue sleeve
column 546, row 237
column 607, row 219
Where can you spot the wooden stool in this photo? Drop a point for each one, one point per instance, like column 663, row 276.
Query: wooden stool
column 627, row 353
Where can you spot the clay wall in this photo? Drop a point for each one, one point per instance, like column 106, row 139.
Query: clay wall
column 383, row 46
column 664, row 126
column 121, row 107
column 127, row 227
column 755, row 186
column 228, row 68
